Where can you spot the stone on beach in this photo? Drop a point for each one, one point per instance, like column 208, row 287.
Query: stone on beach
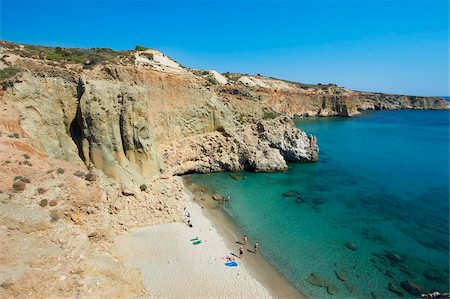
column 217, row 197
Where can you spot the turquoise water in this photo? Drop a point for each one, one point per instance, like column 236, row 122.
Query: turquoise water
column 381, row 183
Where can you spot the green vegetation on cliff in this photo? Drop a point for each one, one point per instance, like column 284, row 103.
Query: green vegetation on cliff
column 8, row 72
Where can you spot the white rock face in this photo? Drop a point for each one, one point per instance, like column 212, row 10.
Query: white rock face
column 158, row 61
column 246, row 81
column 218, row 77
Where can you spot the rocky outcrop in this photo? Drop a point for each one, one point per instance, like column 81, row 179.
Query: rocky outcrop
column 263, row 147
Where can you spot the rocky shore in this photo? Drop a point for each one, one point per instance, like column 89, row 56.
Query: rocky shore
column 91, row 139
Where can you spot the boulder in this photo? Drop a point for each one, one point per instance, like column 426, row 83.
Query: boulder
column 217, row 197
column 412, row 288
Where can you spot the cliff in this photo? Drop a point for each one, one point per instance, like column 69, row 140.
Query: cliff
column 91, row 140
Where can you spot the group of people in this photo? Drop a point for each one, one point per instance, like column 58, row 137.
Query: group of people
column 188, row 218
column 241, row 248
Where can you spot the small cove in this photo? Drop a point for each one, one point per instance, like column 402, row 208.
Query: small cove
column 372, row 211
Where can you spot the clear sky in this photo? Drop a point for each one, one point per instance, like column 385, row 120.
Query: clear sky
column 396, row 46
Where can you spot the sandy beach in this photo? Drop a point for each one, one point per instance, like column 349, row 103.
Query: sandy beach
column 173, row 267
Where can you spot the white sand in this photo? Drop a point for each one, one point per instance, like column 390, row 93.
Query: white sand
column 172, row 267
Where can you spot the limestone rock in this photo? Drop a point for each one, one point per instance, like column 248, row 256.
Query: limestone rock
column 256, row 147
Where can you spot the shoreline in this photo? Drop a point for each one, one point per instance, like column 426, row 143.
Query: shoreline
column 259, row 267
column 173, row 265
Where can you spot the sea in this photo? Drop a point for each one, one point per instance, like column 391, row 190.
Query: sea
column 371, row 215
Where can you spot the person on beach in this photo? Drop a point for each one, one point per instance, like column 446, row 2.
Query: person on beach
column 256, row 247
column 241, row 251
column 245, row 239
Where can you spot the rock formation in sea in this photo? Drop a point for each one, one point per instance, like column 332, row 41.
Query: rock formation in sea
column 91, row 141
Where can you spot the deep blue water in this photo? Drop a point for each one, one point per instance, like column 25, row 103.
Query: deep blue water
column 381, row 183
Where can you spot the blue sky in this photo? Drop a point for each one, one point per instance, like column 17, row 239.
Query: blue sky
column 396, row 46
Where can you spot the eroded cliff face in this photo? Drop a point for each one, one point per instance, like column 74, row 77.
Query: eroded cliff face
column 264, row 146
column 142, row 114
column 137, row 121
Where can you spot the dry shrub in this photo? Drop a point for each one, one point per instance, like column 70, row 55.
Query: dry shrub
column 54, row 215
column 19, row 185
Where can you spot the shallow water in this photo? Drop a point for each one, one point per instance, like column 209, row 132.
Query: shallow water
column 381, row 184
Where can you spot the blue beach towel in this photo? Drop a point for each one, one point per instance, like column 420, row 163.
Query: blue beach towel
column 231, row 264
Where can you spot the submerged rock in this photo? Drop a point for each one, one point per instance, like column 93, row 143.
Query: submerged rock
column 318, row 201
column 433, row 275
column 332, row 290
column 378, row 255
column 300, row 200
column 394, row 290
column 291, row 193
column 405, row 270
column 341, row 275
column 376, row 295
column 412, row 288
column 393, row 257
column 389, row 273
column 236, row 177
column 350, row 288
column 316, row 280
column 351, row 246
